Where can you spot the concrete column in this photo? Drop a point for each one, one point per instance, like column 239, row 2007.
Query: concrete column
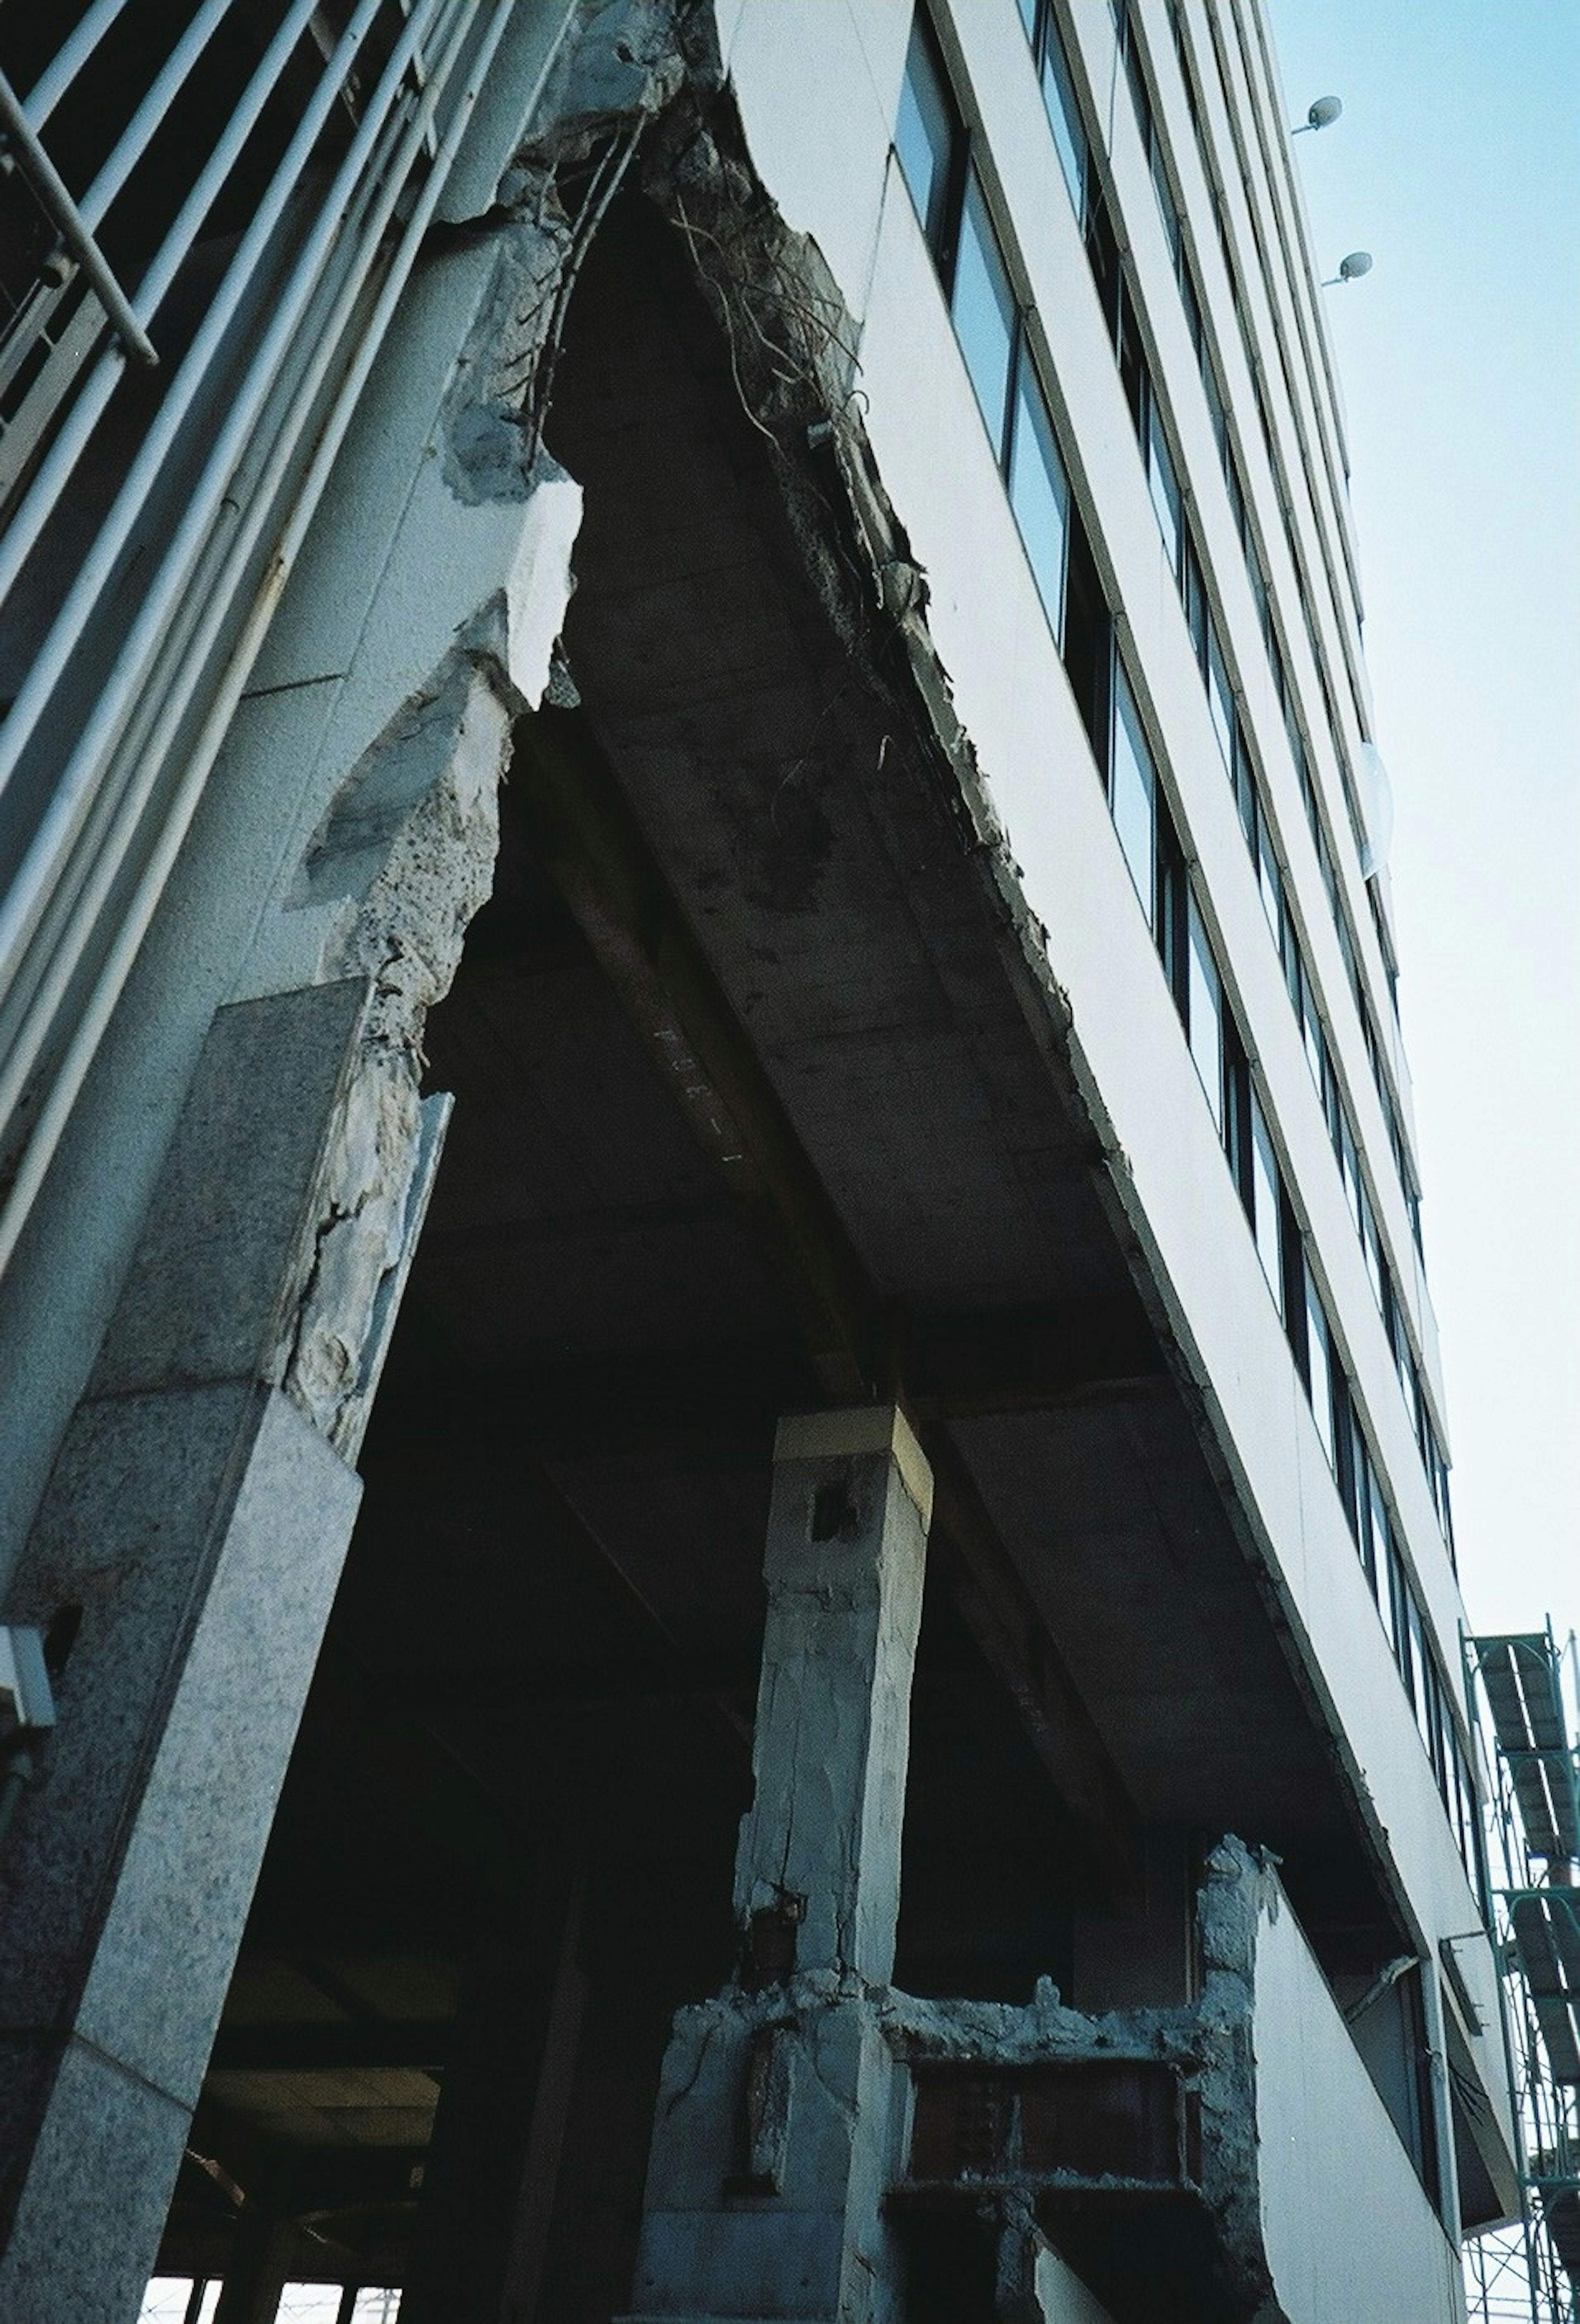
column 817, row 1867
column 193, row 1529
column 776, row 2134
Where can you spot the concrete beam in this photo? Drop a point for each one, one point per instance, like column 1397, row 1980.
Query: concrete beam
column 595, row 850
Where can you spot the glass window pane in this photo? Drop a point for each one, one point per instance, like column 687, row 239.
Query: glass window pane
column 1318, row 1364
column 310, row 2303
column 1420, row 1690
column 1350, row 1164
column 1220, row 698
column 1245, row 794
column 1166, row 209
column 985, row 314
column 1399, row 1592
column 1165, row 485
column 1132, row 798
column 1371, row 1244
column 925, row 133
column 1215, row 411
column 1386, row 1569
column 1272, row 886
column 1332, row 1104
column 1365, row 1503
column 1041, row 497
column 1194, row 595
column 1064, row 116
column 1264, row 618
column 1264, row 1178
column 1206, row 1014
column 167, row 2299
column 1237, row 511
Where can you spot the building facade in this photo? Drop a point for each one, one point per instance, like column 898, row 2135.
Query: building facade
column 721, row 1410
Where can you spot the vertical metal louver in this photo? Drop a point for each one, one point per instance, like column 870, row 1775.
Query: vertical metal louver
column 207, row 209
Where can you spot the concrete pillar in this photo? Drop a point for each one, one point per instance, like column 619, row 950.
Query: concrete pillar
column 776, row 2131
column 194, row 1529
column 818, row 1868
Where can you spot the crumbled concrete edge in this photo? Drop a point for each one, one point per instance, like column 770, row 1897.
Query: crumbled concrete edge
column 1209, row 2043
column 794, row 352
column 406, row 850
column 636, row 90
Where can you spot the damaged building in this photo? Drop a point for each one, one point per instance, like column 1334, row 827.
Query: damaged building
column 728, row 1575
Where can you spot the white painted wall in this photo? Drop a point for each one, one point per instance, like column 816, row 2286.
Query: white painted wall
column 1063, row 2297
column 1012, row 695
column 1350, row 2236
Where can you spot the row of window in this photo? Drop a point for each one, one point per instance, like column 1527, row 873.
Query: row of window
column 1348, row 603
column 1168, row 502
column 1132, row 59
column 1190, row 298
column 1238, row 504
column 950, row 203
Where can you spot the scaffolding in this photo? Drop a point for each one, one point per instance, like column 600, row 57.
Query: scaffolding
column 1529, row 2273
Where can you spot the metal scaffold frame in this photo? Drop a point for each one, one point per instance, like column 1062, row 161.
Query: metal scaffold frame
column 1529, row 2273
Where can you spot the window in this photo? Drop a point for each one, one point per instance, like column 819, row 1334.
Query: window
column 1389, row 1578
column 1204, row 1012
column 1194, row 597
column 1422, row 1672
column 1220, row 698
column 1103, row 258
column 1130, row 50
column 1059, row 100
column 1362, row 1486
column 1350, row 1170
column 1133, row 793
column 1267, row 1206
column 1088, row 641
column 1165, row 489
column 1040, row 494
column 930, row 143
column 1401, row 1594
column 1319, row 1367
column 1271, row 880
column 932, row 148
column 983, row 309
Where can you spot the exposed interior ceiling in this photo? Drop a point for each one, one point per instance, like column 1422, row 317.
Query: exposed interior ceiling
column 753, row 1114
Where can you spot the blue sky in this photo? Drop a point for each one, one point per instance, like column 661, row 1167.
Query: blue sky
column 1457, row 164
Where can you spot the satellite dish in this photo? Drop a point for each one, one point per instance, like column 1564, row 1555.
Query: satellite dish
column 1324, row 112
column 1358, row 262
column 1376, row 811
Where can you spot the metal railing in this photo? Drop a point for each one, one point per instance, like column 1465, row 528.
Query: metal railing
column 342, row 131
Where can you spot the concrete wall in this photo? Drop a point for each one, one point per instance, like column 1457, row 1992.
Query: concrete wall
column 1350, row 2236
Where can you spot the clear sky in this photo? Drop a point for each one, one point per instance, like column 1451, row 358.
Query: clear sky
column 1457, row 164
